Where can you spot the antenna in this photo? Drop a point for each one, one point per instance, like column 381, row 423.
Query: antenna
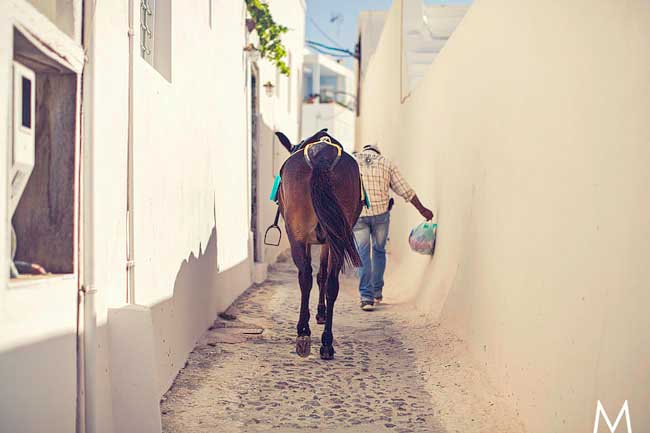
column 337, row 18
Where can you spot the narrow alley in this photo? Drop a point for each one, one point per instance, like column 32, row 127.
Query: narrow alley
column 488, row 159
column 245, row 376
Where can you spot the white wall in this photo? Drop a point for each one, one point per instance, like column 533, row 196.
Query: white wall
column 371, row 24
column 528, row 138
column 338, row 120
column 190, row 193
column 191, row 212
column 66, row 14
column 278, row 115
column 426, row 31
column 189, row 162
column 37, row 321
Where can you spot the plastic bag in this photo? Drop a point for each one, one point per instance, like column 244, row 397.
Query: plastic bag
column 423, row 238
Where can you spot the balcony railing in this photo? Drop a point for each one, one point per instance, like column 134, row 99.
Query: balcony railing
column 344, row 99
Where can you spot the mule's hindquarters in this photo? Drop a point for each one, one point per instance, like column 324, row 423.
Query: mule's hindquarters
column 336, row 198
column 333, row 220
column 324, row 199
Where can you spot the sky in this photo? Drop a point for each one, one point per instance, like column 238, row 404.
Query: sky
column 342, row 32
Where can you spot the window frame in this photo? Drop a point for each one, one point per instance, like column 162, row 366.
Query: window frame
column 147, row 30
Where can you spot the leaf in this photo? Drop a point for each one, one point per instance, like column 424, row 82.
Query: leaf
column 269, row 34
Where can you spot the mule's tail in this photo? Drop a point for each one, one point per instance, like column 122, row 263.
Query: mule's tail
column 337, row 229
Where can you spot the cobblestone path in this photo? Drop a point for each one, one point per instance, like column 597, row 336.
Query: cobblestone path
column 238, row 379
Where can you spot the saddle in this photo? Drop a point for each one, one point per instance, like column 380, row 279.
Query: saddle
column 278, row 180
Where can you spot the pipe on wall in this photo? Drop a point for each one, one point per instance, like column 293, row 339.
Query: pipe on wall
column 130, row 261
column 86, row 226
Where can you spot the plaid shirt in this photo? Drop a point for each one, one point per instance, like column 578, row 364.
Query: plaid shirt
column 380, row 175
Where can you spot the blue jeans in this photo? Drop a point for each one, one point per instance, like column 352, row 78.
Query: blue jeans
column 371, row 272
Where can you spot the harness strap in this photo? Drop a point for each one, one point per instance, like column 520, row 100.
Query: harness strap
column 272, row 227
column 326, row 140
column 277, row 217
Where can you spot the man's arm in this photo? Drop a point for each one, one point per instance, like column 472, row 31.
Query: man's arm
column 426, row 213
column 399, row 185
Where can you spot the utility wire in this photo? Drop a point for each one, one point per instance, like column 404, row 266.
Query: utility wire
column 327, row 47
column 339, row 52
column 322, row 32
column 329, row 53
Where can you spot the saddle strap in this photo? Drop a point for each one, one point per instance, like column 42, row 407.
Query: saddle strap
column 277, row 217
column 326, row 140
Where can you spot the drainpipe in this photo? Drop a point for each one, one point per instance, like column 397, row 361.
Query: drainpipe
column 248, row 67
column 130, row 261
column 90, row 363
column 86, row 226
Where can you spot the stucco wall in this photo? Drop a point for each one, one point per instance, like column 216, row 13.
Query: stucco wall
column 370, row 25
column 191, row 213
column 277, row 114
column 528, row 138
column 190, row 172
column 339, row 121
column 38, row 320
column 190, row 195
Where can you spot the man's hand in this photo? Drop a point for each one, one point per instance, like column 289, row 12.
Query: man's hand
column 426, row 213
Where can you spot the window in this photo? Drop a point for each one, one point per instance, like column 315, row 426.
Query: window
column 328, row 86
column 146, row 29
column 155, row 34
column 341, row 95
column 42, row 198
column 26, row 120
column 308, row 83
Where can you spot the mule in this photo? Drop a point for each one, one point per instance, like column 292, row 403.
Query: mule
column 320, row 201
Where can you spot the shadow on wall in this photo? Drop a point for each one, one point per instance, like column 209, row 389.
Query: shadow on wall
column 200, row 293
column 138, row 355
column 149, row 345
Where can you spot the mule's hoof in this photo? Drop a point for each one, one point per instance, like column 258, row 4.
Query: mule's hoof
column 327, row 352
column 303, row 346
column 321, row 320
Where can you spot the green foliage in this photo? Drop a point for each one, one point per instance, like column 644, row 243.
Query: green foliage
column 269, row 34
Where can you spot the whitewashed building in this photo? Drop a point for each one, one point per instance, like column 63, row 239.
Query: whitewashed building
column 531, row 147
column 424, row 31
column 143, row 196
column 425, row 28
column 329, row 99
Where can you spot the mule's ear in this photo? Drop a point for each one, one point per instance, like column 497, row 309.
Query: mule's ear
column 284, row 140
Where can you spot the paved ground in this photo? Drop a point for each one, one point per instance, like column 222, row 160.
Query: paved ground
column 244, row 375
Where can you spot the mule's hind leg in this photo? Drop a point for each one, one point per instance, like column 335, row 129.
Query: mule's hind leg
column 321, row 316
column 327, row 340
column 301, row 254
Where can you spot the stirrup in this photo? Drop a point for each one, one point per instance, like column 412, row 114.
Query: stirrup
column 266, row 234
column 274, row 226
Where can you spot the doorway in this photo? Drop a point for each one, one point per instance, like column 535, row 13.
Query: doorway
column 254, row 162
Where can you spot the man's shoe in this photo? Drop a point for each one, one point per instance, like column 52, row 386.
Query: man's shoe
column 378, row 300
column 367, row 305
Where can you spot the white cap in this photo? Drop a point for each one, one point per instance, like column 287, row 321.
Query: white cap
column 371, row 147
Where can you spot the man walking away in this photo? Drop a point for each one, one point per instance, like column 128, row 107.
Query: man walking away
column 371, row 230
